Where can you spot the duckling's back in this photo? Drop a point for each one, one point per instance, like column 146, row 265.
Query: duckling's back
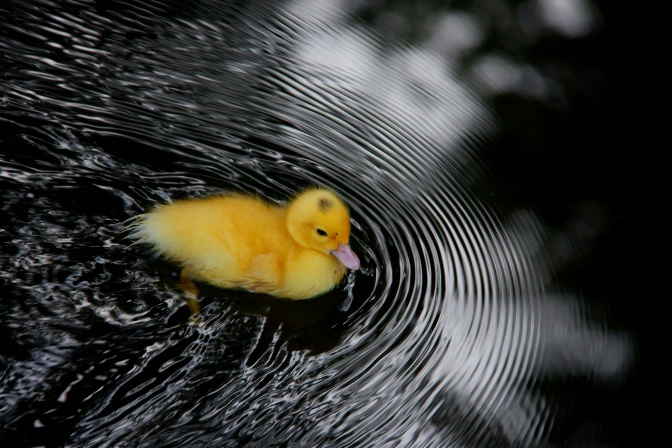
column 217, row 237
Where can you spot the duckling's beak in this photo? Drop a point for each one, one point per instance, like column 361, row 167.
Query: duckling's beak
column 346, row 256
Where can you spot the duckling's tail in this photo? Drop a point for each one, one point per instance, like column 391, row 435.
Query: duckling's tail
column 132, row 230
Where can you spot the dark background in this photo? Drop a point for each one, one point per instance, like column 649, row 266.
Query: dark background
column 594, row 151
column 601, row 150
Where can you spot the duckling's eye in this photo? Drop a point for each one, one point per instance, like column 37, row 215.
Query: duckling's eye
column 321, row 232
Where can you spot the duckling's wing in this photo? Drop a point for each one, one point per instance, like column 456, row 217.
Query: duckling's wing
column 263, row 275
column 255, row 285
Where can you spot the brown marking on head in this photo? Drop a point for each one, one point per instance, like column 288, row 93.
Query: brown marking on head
column 325, row 204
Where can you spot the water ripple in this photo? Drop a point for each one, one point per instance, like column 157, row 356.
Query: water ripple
column 446, row 336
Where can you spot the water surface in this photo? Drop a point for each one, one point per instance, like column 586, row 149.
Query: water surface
column 467, row 325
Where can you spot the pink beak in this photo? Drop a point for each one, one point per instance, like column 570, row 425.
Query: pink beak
column 346, row 256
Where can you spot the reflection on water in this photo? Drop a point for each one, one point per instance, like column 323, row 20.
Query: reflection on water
column 458, row 330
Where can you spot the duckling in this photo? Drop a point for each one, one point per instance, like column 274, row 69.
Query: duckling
column 299, row 250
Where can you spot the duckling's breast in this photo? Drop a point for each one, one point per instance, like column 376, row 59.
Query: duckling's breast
column 310, row 274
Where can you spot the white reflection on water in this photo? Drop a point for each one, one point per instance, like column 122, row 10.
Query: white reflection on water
column 464, row 318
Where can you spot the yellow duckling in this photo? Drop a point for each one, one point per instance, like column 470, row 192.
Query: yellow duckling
column 296, row 251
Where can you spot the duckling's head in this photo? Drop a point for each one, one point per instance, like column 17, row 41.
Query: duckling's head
column 319, row 220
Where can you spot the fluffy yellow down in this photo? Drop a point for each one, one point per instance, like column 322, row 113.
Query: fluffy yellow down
column 296, row 251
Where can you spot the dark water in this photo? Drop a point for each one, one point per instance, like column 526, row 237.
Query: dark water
column 490, row 310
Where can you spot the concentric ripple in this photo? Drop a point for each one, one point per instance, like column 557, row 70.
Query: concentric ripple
column 448, row 336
